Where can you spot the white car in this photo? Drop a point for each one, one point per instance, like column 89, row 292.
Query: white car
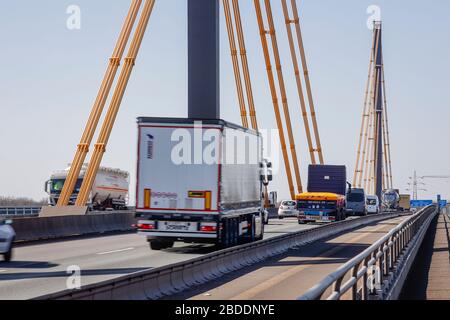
column 288, row 208
column 372, row 204
column 7, row 236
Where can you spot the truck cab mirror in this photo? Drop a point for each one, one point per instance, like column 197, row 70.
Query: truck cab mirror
column 47, row 186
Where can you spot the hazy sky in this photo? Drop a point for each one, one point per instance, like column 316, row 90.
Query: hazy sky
column 50, row 75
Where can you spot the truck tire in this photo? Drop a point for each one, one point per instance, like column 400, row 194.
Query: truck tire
column 225, row 239
column 160, row 244
column 252, row 231
column 235, row 232
column 260, row 237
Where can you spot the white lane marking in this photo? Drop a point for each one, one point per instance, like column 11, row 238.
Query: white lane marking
column 2, row 271
column 115, row 251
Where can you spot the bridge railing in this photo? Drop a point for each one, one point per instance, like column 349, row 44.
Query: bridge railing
column 378, row 272
column 19, row 211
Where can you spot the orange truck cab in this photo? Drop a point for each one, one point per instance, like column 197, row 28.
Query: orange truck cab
column 325, row 200
column 320, row 207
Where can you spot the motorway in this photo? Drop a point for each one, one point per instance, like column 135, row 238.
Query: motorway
column 288, row 276
column 41, row 268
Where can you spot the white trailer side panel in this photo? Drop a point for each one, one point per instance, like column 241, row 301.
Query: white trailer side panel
column 172, row 174
column 242, row 155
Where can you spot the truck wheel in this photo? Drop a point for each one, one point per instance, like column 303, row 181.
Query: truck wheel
column 235, row 232
column 262, row 232
column 252, row 231
column 226, row 235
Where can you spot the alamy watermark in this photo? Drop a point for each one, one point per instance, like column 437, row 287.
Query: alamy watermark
column 210, row 146
column 374, row 13
column 73, row 22
column 374, row 278
column 73, row 282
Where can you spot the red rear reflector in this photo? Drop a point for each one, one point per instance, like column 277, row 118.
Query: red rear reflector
column 142, row 226
column 208, row 228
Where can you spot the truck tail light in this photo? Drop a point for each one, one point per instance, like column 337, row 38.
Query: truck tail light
column 208, row 227
column 148, row 225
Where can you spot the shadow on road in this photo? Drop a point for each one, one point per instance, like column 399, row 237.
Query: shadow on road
column 63, row 274
column 27, row 265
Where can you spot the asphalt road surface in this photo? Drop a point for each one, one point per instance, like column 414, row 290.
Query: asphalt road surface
column 41, row 268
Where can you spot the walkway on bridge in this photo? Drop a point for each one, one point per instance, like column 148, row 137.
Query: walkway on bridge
column 430, row 276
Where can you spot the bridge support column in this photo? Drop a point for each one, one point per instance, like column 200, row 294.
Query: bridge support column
column 203, row 59
column 378, row 103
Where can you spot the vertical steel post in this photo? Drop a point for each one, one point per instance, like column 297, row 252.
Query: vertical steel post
column 378, row 156
column 203, row 59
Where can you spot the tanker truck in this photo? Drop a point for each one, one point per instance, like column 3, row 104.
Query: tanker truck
column 109, row 191
column 390, row 200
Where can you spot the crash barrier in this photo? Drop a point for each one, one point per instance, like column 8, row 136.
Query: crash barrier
column 33, row 229
column 379, row 272
column 156, row 283
column 6, row 212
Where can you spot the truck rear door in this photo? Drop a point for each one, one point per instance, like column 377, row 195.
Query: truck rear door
column 178, row 168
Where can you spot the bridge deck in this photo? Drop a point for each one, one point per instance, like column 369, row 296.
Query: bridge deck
column 292, row 274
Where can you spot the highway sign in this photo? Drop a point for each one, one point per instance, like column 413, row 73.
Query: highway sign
column 420, row 203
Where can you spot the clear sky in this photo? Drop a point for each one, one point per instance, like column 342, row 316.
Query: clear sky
column 50, row 75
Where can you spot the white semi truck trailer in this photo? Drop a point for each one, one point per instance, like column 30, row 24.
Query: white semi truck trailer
column 109, row 191
column 199, row 182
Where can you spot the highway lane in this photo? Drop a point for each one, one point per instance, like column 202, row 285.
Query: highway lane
column 288, row 276
column 40, row 268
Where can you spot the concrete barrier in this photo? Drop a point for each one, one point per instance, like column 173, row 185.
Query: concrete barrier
column 34, row 229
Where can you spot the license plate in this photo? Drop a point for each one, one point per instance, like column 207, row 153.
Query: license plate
column 177, row 226
column 325, row 218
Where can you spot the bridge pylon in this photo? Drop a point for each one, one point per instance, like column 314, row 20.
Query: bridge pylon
column 373, row 169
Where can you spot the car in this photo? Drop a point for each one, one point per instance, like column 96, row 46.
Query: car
column 373, row 204
column 7, row 236
column 356, row 202
column 288, row 208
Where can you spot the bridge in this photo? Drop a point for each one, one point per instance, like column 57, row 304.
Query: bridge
column 70, row 252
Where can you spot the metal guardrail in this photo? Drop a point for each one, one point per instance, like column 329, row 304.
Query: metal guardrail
column 19, row 211
column 165, row 281
column 378, row 272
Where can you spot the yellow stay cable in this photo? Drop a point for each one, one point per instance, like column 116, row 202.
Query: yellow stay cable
column 273, row 91
column 100, row 146
column 97, row 109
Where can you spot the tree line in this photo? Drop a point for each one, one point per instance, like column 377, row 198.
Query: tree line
column 20, row 201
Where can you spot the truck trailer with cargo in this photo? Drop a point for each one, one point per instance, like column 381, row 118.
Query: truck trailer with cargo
column 109, row 191
column 199, row 182
column 405, row 202
column 325, row 199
